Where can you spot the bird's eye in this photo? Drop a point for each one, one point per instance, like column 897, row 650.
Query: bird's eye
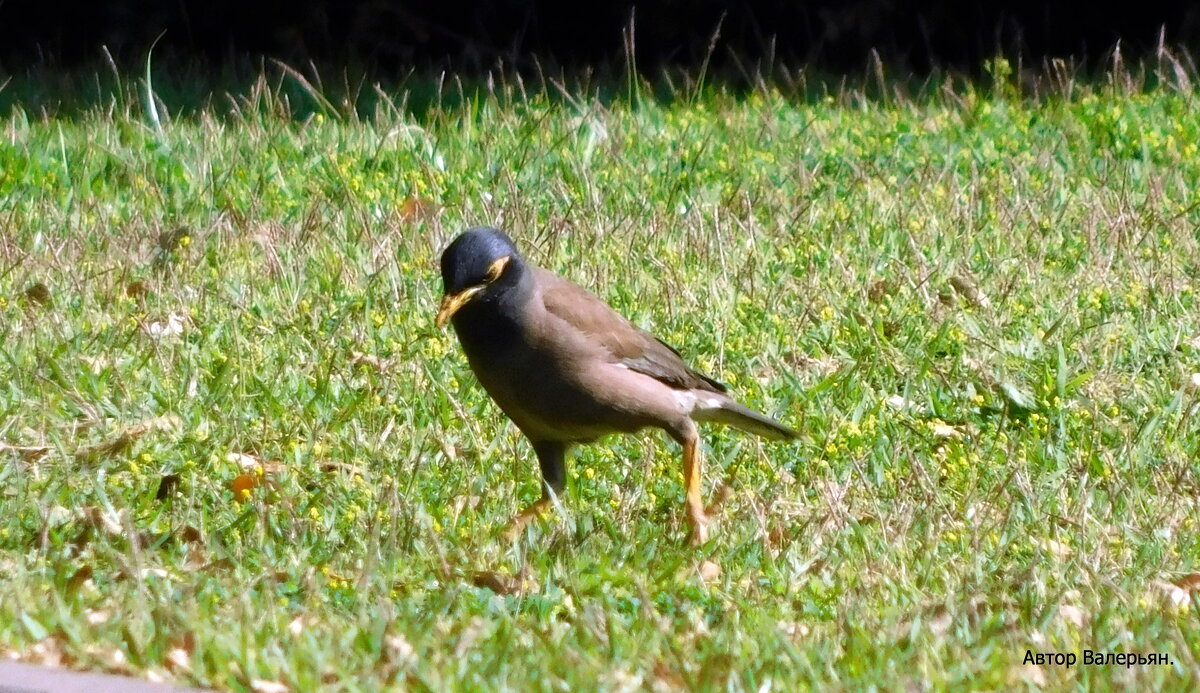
column 496, row 268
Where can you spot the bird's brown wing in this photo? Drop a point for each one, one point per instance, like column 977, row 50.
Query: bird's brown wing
column 627, row 343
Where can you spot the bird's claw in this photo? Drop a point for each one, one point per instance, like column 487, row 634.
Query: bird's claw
column 699, row 533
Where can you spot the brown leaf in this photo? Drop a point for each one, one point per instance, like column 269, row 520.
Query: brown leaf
column 1170, row 595
column 169, row 240
column 1072, row 614
column 46, row 652
column 137, row 289
column 27, row 453
column 190, row 535
column 940, row 621
column 221, row 564
column 78, row 578
column 166, row 486
column 966, row 287
column 97, row 617
column 720, row 496
column 667, row 678
column 127, row 437
column 708, row 571
column 196, row 558
column 415, row 208
column 793, row 629
column 1189, row 582
column 522, row 583
column 98, row 519
column 878, row 290
column 468, row 502
column 1028, row 674
column 398, row 649
column 179, row 660
column 357, row 358
column 40, row 294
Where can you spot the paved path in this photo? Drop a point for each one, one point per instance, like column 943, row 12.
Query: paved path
column 27, row 678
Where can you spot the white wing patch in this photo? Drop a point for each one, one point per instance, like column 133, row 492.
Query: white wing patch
column 691, row 402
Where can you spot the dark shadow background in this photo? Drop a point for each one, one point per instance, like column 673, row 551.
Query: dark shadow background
column 397, row 36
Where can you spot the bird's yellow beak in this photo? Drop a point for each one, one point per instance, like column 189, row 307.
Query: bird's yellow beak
column 451, row 303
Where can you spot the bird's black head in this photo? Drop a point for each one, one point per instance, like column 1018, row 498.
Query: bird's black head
column 479, row 260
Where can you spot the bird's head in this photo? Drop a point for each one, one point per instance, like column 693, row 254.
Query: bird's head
column 479, row 262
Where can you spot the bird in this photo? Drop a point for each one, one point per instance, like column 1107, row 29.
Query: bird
column 567, row 369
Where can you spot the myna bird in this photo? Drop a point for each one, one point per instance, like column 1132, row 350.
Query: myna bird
column 568, row 369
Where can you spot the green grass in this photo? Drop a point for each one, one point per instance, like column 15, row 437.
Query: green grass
column 979, row 305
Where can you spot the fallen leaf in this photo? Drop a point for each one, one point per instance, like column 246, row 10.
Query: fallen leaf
column 40, row 294
column 137, row 289
column 1027, row 673
column 878, row 290
column 1189, row 582
column 97, row 617
column 398, row 649
column 943, row 431
column 28, row 453
column 196, row 559
column 1056, row 548
column 178, row 659
column 357, row 358
column 793, row 629
column 966, row 287
column 127, row 437
column 166, row 486
column 78, row 578
column 1072, row 614
column 667, row 679
column 507, row 585
column 709, row 572
column 265, row 686
column 464, row 503
column 1017, row 397
column 1170, row 595
column 941, row 621
column 170, row 240
column 46, row 652
column 99, row 519
column 720, row 496
column 190, row 535
column 117, row 663
column 415, row 208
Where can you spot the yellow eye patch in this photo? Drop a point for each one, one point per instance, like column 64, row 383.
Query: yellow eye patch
column 497, row 268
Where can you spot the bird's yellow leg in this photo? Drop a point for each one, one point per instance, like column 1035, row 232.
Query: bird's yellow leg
column 692, row 470
column 522, row 519
column 551, row 459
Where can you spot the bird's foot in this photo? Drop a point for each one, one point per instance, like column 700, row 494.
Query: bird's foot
column 724, row 492
column 522, row 519
column 699, row 533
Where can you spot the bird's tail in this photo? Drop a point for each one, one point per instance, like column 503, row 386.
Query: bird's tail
column 729, row 412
